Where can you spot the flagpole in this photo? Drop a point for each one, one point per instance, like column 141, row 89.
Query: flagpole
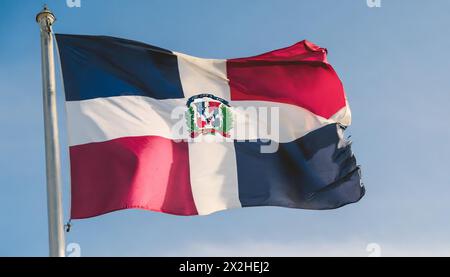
column 52, row 156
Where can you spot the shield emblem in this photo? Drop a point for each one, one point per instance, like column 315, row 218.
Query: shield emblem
column 208, row 114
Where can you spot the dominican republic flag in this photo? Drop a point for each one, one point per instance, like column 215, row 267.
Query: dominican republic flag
column 163, row 131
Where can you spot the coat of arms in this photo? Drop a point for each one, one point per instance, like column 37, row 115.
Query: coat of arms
column 208, row 114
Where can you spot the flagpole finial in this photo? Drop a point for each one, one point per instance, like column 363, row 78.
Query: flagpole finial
column 45, row 18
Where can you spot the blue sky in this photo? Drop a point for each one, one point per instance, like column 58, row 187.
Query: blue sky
column 392, row 60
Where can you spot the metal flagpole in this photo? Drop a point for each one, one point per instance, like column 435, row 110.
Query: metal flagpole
column 52, row 156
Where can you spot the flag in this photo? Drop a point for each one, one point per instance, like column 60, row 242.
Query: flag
column 154, row 129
